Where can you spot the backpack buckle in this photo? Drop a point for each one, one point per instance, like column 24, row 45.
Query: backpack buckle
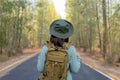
column 56, row 49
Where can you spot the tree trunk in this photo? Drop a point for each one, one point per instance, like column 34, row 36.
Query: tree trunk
column 100, row 41
column 105, row 32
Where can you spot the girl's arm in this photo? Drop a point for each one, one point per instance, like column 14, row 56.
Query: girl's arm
column 41, row 59
column 74, row 61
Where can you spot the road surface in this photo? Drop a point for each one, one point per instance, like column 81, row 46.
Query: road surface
column 28, row 71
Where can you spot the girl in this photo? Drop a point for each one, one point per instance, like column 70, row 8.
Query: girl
column 60, row 31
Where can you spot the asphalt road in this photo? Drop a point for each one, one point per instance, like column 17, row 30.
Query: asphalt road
column 28, row 71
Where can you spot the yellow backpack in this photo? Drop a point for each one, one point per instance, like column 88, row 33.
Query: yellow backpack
column 56, row 64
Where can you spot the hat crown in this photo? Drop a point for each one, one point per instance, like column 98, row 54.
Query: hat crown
column 61, row 27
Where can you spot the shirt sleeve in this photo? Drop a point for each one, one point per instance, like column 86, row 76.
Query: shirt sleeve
column 74, row 60
column 41, row 59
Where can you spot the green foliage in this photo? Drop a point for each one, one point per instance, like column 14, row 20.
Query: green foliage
column 11, row 24
column 2, row 38
column 26, row 24
column 83, row 14
column 45, row 14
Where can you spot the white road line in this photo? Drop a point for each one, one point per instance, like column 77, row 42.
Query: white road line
column 100, row 72
column 13, row 64
column 10, row 65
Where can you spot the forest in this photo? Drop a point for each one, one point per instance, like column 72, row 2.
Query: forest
column 25, row 24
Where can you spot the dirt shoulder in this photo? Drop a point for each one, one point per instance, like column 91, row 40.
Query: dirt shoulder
column 14, row 61
column 98, row 63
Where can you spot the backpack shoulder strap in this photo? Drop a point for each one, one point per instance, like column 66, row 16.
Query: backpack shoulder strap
column 49, row 44
column 64, row 75
column 67, row 45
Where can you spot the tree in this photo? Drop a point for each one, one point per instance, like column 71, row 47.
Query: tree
column 84, row 21
column 96, row 25
column 46, row 13
column 105, row 33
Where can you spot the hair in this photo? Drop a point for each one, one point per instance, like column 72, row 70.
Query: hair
column 58, row 41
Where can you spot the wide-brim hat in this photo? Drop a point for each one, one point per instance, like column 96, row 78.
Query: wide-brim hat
column 61, row 28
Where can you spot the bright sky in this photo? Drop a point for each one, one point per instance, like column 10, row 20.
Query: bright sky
column 60, row 7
